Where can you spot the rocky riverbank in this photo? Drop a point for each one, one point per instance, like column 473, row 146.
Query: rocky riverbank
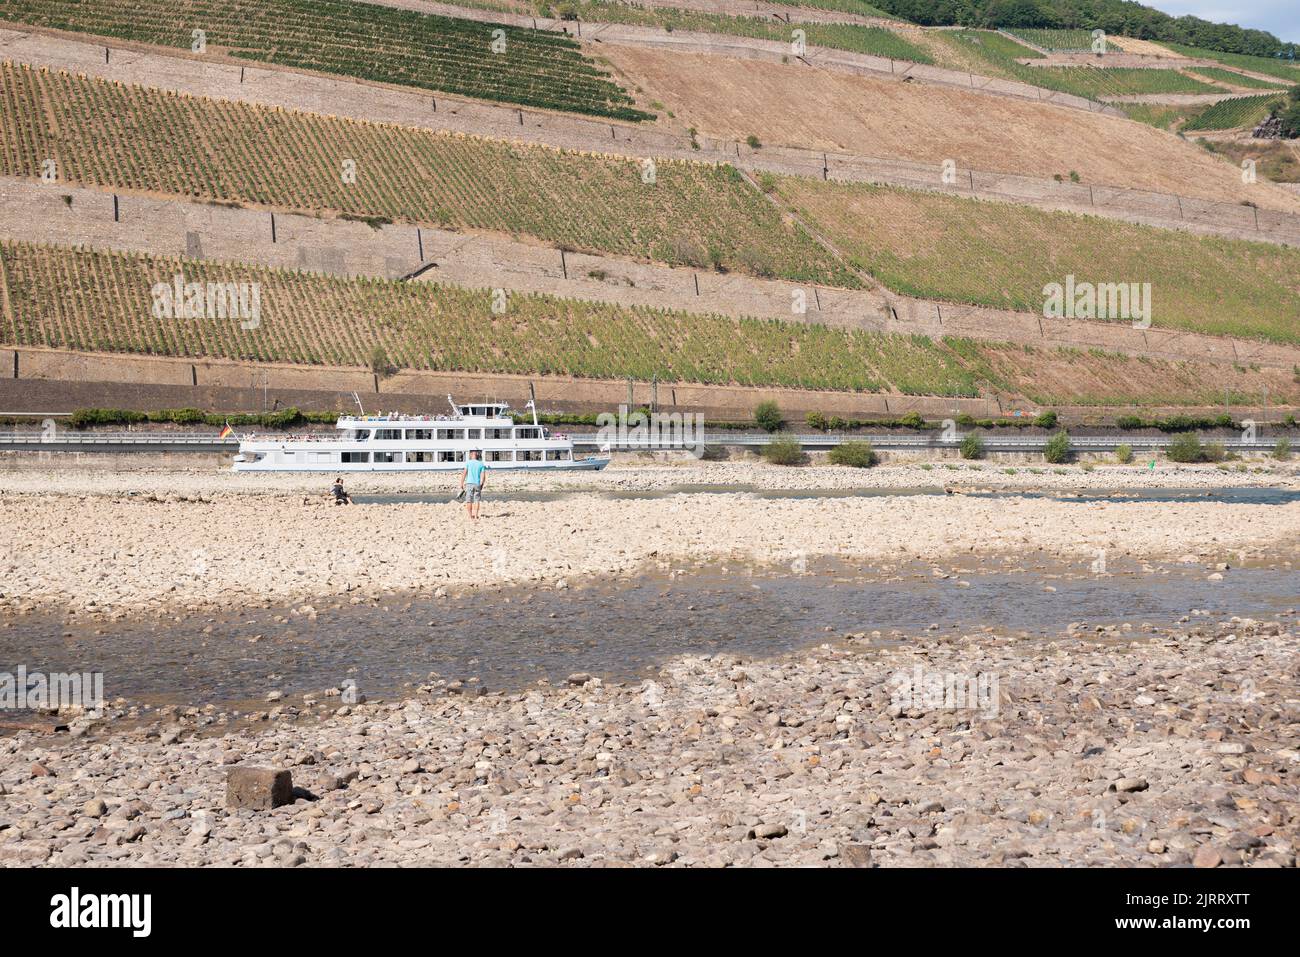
column 111, row 553
column 1125, row 745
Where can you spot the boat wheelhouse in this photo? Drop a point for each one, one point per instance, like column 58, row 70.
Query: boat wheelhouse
column 414, row 443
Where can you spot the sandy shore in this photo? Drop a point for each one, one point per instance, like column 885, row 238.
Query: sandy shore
column 78, row 541
column 1164, row 748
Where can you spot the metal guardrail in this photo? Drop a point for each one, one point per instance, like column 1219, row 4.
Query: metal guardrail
column 63, row 441
column 936, row 442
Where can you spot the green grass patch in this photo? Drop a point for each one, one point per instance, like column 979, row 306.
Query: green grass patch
column 1000, row 254
column 1234, row 78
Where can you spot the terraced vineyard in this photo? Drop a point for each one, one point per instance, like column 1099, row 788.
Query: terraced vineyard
column 103, row 301
column 370, row 42
column 97, row 300
column 997, row 254
column 1233, row 78
column 1286, row 70
column 857, row 7
column 1055, row 41
column 853, row 37
column 1237, row 112
column 994, row 54
column 1095, row 82
column 856, row 38
column 124, row 137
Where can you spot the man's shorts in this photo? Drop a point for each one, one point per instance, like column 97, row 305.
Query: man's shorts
column 473, row 493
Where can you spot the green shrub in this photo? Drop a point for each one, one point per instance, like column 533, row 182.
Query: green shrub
column 767, row 415
column 912, row 420
column 1046, row 420
column 752, row 141
column 1130, row 422
column 1214, row 452
column 379, row 363
column 84, row 418
column 784, row 450
column 1057, row 449
column 1282, row 451
column 1186, row 448
column 836, row 424
column 860, row 455
column 286, row 418
column 816, row 420
column 1123, row 454
column 178, row 416
column 972, row 447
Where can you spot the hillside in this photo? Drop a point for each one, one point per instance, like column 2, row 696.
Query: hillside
column 101, row 301
column 1119, row 17
column 999, row 254
column 712, row 170
column 102, row 134
column 825, row 110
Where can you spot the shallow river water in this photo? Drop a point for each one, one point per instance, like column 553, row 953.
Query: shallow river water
column 617, row 630
column 1253, row 495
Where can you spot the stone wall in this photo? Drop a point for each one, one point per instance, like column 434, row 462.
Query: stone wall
column 237, row 386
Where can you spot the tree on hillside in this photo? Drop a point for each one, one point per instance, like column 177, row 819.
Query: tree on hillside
column 1116, row 17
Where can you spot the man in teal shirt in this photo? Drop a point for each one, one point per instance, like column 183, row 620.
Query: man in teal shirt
column 471, row 482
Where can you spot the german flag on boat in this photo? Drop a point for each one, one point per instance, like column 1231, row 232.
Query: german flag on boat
column 227, row 432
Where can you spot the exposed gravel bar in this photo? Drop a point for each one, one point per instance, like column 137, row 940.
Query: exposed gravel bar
column 1125, row 746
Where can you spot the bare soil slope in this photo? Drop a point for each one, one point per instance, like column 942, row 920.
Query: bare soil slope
column 795, row 105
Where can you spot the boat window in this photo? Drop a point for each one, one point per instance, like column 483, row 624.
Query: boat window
column 451, row 433
column 530, row 455
column 362, row 435
column 388, row 435
column 419, row 456
column 555, row 455
column 473, row 433
column 388, row 456
column 356, row 456
column 420, row 435
column 499, row 456
column 529, row 433
column 446, row 455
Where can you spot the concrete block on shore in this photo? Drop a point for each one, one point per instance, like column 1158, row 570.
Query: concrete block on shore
column 258, row 789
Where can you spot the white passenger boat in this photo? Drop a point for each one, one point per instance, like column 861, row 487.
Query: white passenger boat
column 414, row 443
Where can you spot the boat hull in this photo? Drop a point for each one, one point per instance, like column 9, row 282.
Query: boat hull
column 590, row 464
